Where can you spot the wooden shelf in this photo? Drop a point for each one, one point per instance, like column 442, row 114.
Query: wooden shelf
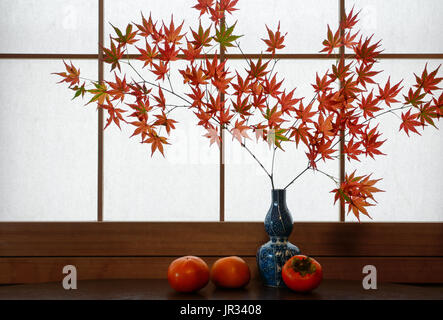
column 158, row 289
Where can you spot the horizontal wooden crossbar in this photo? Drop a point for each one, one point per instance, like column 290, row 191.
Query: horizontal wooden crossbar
column 40, row 239
column 228, row 56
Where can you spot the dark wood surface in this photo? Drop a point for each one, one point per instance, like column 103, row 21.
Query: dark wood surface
column 157, row 289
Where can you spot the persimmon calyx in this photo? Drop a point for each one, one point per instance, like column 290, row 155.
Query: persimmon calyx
column 303, row 266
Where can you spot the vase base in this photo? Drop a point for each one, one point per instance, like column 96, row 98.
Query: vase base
column 271, row 258
column 274, row 286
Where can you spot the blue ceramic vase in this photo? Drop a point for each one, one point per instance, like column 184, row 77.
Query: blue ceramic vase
column 272, row 255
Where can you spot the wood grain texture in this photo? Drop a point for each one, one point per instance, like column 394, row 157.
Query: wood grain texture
column 35, row 270
column 158, row 289
column 21, row 239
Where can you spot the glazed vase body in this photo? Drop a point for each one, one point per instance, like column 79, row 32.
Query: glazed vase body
column 272, row 255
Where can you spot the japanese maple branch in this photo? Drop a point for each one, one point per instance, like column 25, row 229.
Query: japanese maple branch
column 328, row 175
column 157, row 85
column 172, row 92
column 261, row 165
column 252, row 154
column 169, row 80
column 286, row 133
column 376, row 116
column 241, row 51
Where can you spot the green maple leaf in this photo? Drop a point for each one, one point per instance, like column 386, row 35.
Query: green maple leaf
column 100, row 93
column 79, row 91
column 224, row 36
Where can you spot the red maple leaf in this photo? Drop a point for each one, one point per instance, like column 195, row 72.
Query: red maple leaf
column 365, row 52
column 213, row 136
column 163, row 120
column 305, row 114
column 172, row 35
column 156, row 142
column 427, row 113
column 272, row 87
column 225, row 116
column 369, row 105
column 161, row 102
column 142, row 128
column 257, row 70
column 351, row 149
column 355, row 192
column 322, row 85
column 274, row 117
column 72, row 76
column 220, row 82
column 141, row 108
column 428, row 81
column 242, row 106
column 348, row 40
column 113, row 55
column 147, row 54
column 214, row 68
column 228, row 5
column 204, row 6
column 215, row 105
column 365, row 74
column 161, row 69
column 438, row 105
column 119, row 88
column 349, row 20
column 202, row 37
column 197, row 96
column 240, row 131
column 388, row 94
column 168, row 53
column 324, row 149
column 324, row 126
column 204, row 119
column 409, row 122
column 370, row 142
column 275, row 40
column 115, row 114
column 127, row 38
column 287, row 102
column 147, row 28
column 242, row 86
column 300, row 133
column 193, row 75
column 333, row 41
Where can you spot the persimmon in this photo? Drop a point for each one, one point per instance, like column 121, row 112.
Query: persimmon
column 230, row 272
column 302, row 273
column 188, row 274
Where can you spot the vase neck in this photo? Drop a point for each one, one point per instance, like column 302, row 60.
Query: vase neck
column 279, row 196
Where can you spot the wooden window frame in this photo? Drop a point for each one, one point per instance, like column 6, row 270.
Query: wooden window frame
column 37, row 251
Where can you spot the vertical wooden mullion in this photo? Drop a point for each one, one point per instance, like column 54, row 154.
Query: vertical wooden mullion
column 342, row 133
column 100, row 113
column 222, row 147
